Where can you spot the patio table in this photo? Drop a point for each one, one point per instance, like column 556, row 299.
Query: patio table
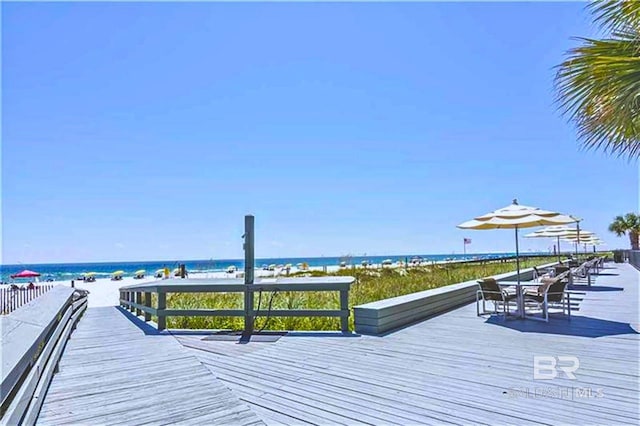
column 519, row 292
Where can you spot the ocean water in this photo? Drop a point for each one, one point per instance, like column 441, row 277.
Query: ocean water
column 70, row 271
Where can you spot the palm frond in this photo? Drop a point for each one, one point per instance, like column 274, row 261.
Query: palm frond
column 616, row 15
column 599, row 90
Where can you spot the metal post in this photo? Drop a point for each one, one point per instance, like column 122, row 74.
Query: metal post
column 249, row 261
column 517, row 256
column 162, row 305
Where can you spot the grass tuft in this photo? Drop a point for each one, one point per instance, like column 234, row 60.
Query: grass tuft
column 370, row 285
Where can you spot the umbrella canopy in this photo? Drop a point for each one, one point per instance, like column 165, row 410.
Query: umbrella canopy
column 25, row 274
column 557, row 231
column 581, row 239
column 117, row 273
column 140, row 272
column 517, row 216
column 161, row 270
column 89, row 274
column 591, row 241
column 561, row 231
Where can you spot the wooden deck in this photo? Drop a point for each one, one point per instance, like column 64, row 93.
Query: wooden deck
column 112, row 372
column 455, row 368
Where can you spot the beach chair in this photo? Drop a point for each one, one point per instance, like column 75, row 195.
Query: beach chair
column 490, row 290
column 552, row 293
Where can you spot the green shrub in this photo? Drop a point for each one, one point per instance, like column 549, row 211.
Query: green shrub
column 370, row 285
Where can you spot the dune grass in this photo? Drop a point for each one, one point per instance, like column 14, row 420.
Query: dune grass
column 370, row 285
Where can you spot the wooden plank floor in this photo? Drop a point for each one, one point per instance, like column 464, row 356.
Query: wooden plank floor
column 455, row 368
column 112, row 372
column 452, row 369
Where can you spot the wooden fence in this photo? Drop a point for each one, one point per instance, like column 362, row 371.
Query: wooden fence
column 137, row 298
column 11, row 298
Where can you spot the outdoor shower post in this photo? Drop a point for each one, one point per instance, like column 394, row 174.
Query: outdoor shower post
column 249, row 261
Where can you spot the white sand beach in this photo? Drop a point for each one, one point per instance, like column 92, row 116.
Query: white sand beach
column 105, row 291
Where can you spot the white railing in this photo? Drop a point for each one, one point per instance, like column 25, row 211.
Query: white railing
column 11, row 298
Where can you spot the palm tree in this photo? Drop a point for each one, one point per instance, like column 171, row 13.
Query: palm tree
column 629, row 223
column 599, row 82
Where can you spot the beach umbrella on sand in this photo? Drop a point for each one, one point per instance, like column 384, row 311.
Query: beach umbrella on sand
column 25, row 274
column 516, row 216
column 118, row 273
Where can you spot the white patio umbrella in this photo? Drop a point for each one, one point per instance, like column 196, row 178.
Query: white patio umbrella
column 554, row 231
column 591, row 240
column 582, row 238
column 558, row 231
column 516, row 216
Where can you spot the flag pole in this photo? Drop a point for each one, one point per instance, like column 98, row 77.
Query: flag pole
column 464, row 246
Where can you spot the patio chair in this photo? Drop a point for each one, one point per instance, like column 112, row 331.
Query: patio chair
column 536, row 273
column 490, row 290
column 552, row 293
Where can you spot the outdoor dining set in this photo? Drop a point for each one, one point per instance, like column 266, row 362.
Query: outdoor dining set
column 534, row 299
column 549, row 288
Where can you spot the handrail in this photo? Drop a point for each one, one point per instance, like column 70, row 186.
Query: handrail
column 137, row 298
column 24, row 400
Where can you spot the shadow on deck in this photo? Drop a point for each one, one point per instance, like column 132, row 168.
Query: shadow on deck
column 578, row 326
column 454, row 368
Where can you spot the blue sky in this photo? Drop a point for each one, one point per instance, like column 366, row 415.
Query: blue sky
column 147, row 131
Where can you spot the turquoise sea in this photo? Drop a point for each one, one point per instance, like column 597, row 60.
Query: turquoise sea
column 69, row 271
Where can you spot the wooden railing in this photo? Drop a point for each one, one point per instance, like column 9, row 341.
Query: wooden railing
column 137, row 298
column 11, row 298
column 33, row 338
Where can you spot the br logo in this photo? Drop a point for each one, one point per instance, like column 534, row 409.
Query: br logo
column 546, row 367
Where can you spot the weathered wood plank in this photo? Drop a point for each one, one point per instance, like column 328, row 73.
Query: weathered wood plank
column 452, row 368
column 24, row 332
column 101, row 378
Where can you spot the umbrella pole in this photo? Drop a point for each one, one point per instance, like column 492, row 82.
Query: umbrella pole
column 517, row 256
column 558, row 248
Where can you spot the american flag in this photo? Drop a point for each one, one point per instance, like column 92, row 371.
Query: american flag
column 467, row 240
